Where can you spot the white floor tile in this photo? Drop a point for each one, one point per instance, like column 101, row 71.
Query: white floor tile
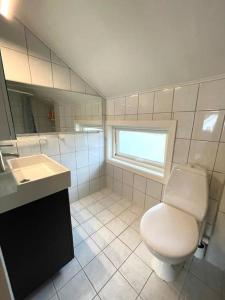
column 105, row 216
column 135, row 271
column 116, row 209
column 116, row 226
column 143, row 252
column 86, row 251
column 210, row 275
column 117, row 252
column 96, row 208
column 74, row 222
column 79, row 235
column 194, row 289
column 83, row 215
column 158, row 289
column 103, row 237
column 77, row 288
column 66, row 273
column 131, row 238
column 128, row 216
column 117, row 289
column 92, row 225
column 99, row 271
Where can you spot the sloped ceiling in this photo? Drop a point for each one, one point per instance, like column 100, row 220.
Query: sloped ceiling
column 122, row 46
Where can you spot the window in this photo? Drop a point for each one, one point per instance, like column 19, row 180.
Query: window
column 142, row 147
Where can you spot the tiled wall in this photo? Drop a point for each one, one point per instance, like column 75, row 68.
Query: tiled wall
column 82, row 153
column 200, row 138
column 27, row 59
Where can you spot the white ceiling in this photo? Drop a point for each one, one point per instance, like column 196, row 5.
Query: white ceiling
column 122, row 46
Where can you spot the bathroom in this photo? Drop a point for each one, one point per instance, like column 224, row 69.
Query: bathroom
column 112, row 150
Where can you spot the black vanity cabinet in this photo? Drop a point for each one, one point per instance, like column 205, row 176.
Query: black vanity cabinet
column 36, row 241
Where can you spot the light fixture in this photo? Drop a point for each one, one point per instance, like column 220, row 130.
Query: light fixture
column 7, row 8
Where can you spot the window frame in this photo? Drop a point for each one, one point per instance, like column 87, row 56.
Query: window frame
column 151, row 170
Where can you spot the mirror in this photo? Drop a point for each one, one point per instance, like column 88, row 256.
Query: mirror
column 37, row 109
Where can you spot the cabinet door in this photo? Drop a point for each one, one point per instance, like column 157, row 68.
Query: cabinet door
column 7, row 131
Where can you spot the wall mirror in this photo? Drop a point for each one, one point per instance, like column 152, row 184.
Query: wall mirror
column 37, row 109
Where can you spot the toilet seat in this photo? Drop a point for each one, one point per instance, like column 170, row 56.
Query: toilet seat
column 169, row 232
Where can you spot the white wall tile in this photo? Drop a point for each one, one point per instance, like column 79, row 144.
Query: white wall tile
column 216, row 249
column 128, row 177
column 120, row 106
column 93, row 140
column 55, row 59
column 41, row 72
column 208, row 125
column 118, row 173
column 83, row 190
column 110, row 107
column 216, row 185
column 181, row 149
column 150, row 202
column 212, row 95
column 184, row 124
column 131, row 104
column 93, row 156
column 139, row 199
column 36, row 47
column 130, row 117
column 83, row 175
column 145, row 116
column 140, row 183
column 66, row 143
column 146, row 101
column 77, row 84
column 82, row 158
column 127, row 192
column 162, row 116
column 28, row 145
column 69, row 160
column 163, row 101
column 16, row 65
column 220, row 159
column 203, row 153
column 61, row 77
column 12, row 35
column 222, row 139
column 49, row 144
column 81, row 141
column 185, row 98
column 222, row 202
column 154, row 189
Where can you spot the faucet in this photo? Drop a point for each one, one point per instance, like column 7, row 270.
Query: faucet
column 2, row 164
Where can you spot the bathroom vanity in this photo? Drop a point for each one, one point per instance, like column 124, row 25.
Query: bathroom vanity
column 35, row 224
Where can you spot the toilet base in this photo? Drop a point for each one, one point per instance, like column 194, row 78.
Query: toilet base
column 166, row 271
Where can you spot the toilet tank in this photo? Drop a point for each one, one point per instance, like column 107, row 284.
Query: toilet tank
column 187, row 189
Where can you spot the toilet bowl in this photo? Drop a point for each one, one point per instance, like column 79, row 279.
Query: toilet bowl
column 172, row 229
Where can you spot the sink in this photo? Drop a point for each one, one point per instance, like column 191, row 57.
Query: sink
column 34, row 177
column 35, row 167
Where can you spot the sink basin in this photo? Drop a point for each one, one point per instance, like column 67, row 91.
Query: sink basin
column 36, row 167
column 34, row 177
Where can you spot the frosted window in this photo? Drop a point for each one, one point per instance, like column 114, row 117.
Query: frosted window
column 141, row 145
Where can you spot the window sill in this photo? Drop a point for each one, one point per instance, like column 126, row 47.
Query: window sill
column 151, row 173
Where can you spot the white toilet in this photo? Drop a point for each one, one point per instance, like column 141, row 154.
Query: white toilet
column 172, row 229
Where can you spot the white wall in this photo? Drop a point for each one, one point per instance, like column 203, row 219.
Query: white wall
column 199, row 109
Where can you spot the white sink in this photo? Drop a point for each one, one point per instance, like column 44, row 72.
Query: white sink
column 36, row 176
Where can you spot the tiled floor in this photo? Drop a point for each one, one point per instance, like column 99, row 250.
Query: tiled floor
column 112, row 262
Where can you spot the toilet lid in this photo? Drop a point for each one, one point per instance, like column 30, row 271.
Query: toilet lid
column 169, row 231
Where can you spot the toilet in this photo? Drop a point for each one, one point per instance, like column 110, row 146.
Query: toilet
column 173, row 229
